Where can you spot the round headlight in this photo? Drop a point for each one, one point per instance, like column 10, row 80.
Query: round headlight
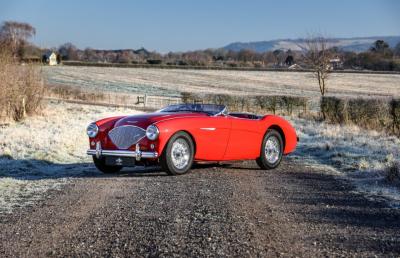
column 152, row 132
column 92, row 130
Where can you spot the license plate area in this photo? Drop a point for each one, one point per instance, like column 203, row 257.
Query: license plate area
column 120, row 161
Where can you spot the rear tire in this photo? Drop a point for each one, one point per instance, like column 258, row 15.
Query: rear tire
column 101, row 165
column 271, row 150
column 177, row 158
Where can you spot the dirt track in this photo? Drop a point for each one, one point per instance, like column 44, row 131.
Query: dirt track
column 213, row 211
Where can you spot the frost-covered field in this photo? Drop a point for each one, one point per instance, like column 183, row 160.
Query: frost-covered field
column 360, row 155
column 45, row 151
column 170, row 82
column 42, row 152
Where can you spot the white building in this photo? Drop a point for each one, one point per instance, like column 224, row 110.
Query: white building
column 50, row 58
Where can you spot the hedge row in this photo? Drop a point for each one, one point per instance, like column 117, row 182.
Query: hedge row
column 376, row 114
column 283, row 105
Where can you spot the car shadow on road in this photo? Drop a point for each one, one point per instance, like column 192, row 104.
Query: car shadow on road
column 34, row 169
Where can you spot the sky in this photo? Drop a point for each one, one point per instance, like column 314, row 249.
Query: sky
column 178, row 25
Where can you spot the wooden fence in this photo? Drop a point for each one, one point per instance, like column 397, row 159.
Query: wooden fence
column 91, row 97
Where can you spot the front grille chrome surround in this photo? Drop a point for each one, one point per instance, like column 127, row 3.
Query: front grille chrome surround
column 126, row 135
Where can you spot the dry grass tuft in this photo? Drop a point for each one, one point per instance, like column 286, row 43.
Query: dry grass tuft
column 21, row 86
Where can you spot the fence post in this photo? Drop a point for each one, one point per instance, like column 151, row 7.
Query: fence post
column 23, row 108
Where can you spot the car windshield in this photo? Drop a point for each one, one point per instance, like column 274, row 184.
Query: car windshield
column 210, row 109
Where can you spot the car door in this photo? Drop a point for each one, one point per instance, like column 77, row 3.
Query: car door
column 211, row 136
column 245, row 139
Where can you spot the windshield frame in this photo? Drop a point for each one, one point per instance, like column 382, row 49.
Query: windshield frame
column 196, row 108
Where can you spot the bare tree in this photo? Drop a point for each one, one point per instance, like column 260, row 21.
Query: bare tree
column 317, row 56
column 68, row 51
column 15, row 34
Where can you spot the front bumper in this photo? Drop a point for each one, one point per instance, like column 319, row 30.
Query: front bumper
column 137, row 153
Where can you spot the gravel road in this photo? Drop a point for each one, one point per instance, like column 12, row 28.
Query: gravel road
column 216, row 211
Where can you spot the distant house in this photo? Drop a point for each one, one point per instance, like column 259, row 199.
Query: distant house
column 142, row 51
column 336, row 63
column 50, row 58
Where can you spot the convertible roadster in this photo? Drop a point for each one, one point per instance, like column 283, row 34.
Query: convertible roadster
column 179, row 135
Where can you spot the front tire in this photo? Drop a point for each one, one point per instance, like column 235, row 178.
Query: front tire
column 101, row 165
column 177, row 158
column 271, row 150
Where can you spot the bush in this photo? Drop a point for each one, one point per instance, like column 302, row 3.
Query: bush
column 370, row 113
column 21, row 86
column 334, row 110
column 154, row 61
column 291, row 103
column 270, row 103
column 376, row 114
column 395, row 112
column 393, row 172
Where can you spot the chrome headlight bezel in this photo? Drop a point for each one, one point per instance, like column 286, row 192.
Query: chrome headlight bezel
column 152, row 132
column 92, row 130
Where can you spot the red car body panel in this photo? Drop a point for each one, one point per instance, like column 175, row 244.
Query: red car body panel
column 210, row 134
column 216, row 138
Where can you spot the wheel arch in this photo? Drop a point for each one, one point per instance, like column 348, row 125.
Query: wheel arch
column 178, row 131
column 193, row 140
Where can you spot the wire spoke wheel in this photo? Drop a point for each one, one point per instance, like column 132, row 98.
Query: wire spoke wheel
column 180, row 153
column 272, row 149
column 177, row 158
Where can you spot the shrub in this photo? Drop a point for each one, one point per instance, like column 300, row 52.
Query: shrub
column 270, row 103
column 393, row 172
column 21, row 86
column 154, row 61
column 186, row 97
column 369, row 113
column 291, row 103
column 395, row 112
column 285, row 104
column 334, row 110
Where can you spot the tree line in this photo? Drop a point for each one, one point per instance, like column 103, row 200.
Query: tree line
column 380, row 57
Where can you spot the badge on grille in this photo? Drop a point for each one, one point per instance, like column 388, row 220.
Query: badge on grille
column 118, row 162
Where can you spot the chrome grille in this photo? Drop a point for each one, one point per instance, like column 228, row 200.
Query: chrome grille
column 125, row 136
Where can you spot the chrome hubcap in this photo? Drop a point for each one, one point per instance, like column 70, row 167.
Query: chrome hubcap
column 272, row 149
column 180, row 153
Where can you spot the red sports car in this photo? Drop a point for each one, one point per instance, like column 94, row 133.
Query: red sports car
column 178, row 135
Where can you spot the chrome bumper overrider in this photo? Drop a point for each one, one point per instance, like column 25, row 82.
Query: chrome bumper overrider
column 137, row 153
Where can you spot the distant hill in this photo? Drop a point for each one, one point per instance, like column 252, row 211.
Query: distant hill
column 350, row 44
